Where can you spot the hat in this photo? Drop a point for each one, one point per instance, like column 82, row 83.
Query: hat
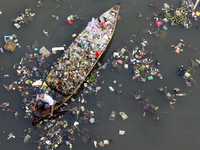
column 41, row 91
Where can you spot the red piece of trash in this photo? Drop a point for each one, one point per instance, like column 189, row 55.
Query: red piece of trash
column 120, row 62
column 98, row 54
column 69, row 22
column 23, row 87
column 159, row 23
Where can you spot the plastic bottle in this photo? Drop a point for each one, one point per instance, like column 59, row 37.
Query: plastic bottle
column 166, row 5
column 95, row 144
column 57, row 17
column 123, row 115
column 111, row 88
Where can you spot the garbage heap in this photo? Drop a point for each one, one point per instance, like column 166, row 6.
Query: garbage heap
column 186, row 74
column 11, row 43
column 167, row 94
column 25, row 17
column 82, row 54
column 32, row 71
column 171, row 97
column 182, row 15
column 141, row 61
column 64, row 133
column 148, row 108
column 142, row 68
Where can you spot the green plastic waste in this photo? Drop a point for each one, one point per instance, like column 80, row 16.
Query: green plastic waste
column 168, row 94
column 150, row 77
column 165, row 28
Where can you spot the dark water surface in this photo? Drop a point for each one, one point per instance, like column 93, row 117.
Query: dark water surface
column 179, row 127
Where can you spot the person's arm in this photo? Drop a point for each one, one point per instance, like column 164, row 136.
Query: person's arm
column 34, row 105
column 52, row 107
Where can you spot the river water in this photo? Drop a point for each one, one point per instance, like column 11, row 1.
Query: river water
column 178, row 128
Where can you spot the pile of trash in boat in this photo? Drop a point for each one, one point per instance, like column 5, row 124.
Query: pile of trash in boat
column 25, row 17
column 81, row 55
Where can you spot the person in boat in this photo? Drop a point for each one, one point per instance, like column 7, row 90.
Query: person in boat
column 44, row 101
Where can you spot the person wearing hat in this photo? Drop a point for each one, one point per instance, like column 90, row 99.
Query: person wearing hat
column 45, row 101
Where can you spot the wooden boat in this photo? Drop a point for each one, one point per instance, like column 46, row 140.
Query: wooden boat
column 48, row 86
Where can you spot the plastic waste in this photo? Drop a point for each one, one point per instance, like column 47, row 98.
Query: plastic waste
column 98, row 88
column 55, row 49
column 165, row 28
column 5, row 104
column 44, row 52
column 150, row 77
column 64, row 123
column 165, row 20
column 16, row 114
column 92, row 120
column 27, row 137
column 1, row 50
column 17, row 25
column 57, row 17
column 6, row 38
column 101, row 144
column 74, row 35
column 10, row 135
column 106, row 142
column 111, row 88
column 168, row 94
column 69, row 22
column 35, row 45
column 126, row 66
column 166, row 5
column 112, row 116
column 198, row 61
column 144, row 114
column 82, row 108
column 6, row 76
column 123, row 115
column 28, row 82
column 181, row 94
column 114, row 81
column 121, row 132
column 120, row 62
column 76, row 123
column 46, row 33
column 95, row 144
column 115, row 54
column 139, row 15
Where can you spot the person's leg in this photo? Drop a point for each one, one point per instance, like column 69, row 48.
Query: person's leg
column 47, row 108
column 40, row 105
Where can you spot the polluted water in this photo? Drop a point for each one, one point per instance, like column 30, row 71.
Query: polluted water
column 149, row 73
